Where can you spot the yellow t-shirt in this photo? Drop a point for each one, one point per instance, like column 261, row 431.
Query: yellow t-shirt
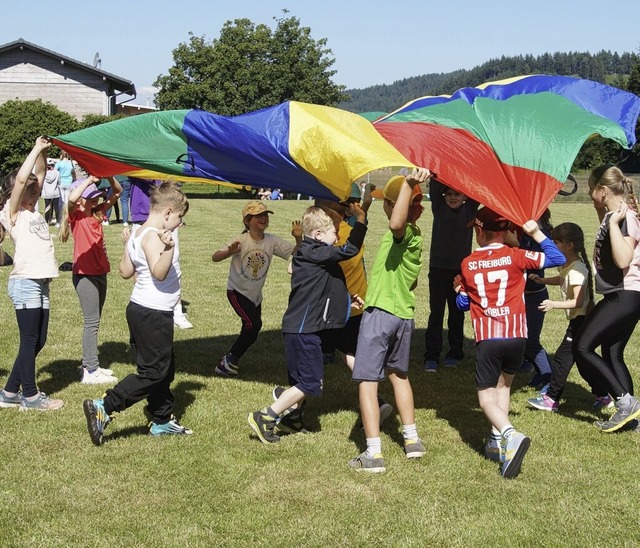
column 353, row 269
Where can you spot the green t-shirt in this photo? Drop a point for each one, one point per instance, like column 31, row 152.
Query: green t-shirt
column 394, row 273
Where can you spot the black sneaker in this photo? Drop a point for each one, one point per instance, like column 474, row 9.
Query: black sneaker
column 291, row 423
column 623, row 415
column 262, row 424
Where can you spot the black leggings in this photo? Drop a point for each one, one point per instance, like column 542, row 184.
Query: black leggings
column 33, row 324
column 251, row 316
column 610, row 325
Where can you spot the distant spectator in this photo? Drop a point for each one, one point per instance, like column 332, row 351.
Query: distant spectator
column 51, row 194
column 264, row 194
column 276, row 194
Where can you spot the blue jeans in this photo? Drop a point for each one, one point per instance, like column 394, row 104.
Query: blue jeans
column 534, row 352
column 124, row 199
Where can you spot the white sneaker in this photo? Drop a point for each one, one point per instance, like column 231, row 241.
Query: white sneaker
column 106, row 371
column 97, row 377
column 105, row 223
column 181, row 321
column 125, row 223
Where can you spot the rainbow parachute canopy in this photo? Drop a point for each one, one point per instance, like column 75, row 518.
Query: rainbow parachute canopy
column 299, row 147
column 511, row 144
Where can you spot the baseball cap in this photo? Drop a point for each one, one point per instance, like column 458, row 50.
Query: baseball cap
column 490, row 220
column 255, row 208
column 92, row 191
column 392, row 187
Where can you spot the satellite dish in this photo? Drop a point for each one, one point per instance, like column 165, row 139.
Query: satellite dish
column 97, row 62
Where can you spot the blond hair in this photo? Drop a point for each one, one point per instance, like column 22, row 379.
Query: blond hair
column 611, row 176
column 168, row 194
column 315, row 218
column 8, row 183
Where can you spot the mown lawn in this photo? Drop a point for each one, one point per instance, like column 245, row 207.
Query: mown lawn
column 222, row 487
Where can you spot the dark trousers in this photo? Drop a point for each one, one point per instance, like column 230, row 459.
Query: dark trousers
column 563, row 362
column 153, row 333
column 534, row 353
column 33, row 324
column 251, row 316
column 609, row 325
column 441, row 294
column 51, row 207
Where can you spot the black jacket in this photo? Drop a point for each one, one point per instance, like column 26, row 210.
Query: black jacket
column 319, row 299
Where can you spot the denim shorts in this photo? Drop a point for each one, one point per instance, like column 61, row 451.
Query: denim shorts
column 27, row 293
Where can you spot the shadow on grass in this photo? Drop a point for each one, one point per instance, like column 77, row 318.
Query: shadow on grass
column 62, row 374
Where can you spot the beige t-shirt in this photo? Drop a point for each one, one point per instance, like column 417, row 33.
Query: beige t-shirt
column 576, row 274
column 34, row 254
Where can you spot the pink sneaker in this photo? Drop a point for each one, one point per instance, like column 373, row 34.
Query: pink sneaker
column 544, row 403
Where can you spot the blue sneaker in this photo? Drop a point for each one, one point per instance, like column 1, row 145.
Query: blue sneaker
column 226, row 368
column 514, row 451
column 97, row 419
column 7, row 401
column 452, row 362
column 431, row 366
column 172, row 427
column 544, row 403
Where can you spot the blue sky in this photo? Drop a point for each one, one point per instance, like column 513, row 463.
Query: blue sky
column 373, row 42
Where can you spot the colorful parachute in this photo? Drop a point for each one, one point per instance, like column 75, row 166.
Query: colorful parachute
column 510, row 144
column 311, row 149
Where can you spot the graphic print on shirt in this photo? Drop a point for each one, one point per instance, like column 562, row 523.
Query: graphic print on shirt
column 255, row 265
column 40, row 228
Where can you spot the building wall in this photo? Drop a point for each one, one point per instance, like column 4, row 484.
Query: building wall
column 27, row 75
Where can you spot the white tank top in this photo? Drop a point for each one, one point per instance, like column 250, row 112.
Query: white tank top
column 148, row 291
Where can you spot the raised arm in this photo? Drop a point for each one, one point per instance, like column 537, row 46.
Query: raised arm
column 35, row 159
column 400, row 213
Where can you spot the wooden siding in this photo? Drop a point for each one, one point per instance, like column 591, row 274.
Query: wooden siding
column 26, row 75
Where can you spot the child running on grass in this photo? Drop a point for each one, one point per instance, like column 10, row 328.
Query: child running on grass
column 492, row 286
column 149, row 253
column 34, row 267
column 319, row 303
column 388, row 321
column 251, row 253
column 84, row 217
column 576, row 286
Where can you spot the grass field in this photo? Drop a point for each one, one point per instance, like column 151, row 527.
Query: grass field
column 221, row 487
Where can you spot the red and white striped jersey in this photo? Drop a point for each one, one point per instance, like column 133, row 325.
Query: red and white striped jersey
column 493, row 278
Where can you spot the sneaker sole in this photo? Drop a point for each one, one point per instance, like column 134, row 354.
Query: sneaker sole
column 386, row 411
column 256, row 429
column 223, row 374
column 373, row 470
column 90, row 413
column 416, row 454
column 515, row 464
column 620, row 424
column 4, row 405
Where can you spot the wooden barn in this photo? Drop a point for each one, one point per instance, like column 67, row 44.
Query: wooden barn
column 28, row 71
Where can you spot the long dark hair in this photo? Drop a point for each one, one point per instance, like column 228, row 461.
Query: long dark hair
column 572, row 233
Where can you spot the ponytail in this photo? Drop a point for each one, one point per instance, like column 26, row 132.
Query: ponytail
column 63, row 233
column 632, row 201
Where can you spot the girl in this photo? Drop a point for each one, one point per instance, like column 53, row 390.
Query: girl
column 35, row 265
column 576, row 286
column 617, row 267
column 65, row 167
column 90, row 266
column 252, row 251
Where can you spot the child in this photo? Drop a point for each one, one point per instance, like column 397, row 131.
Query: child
column 492, row 286
column 64, row 166
column 617, row 267
column 34, row 267
column 251, row 253
column 84, row 218
column 51, row 195
column 576, row 286
column 149, row 253
column 450, row 243
column 387, row 323
column 534, row 293
column 319, row 303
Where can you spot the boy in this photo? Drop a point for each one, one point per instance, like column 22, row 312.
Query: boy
column 492, row 286
column 318, row 303
column 450, row 243
column 387, row 323
column 149, row 253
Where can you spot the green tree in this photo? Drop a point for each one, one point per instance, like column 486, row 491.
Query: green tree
column 91, row 120
column 250, row 67
column 633, row 84
column 21, row 122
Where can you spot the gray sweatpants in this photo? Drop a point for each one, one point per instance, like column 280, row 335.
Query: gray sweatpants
column 92, row 292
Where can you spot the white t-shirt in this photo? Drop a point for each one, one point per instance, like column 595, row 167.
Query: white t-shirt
column 34, row 254
column 576, row 274
column 249, row 267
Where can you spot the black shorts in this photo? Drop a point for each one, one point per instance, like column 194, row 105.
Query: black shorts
column 496, row 355
column 344, row 339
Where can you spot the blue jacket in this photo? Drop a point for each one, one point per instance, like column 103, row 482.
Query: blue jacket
column 319, row 299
